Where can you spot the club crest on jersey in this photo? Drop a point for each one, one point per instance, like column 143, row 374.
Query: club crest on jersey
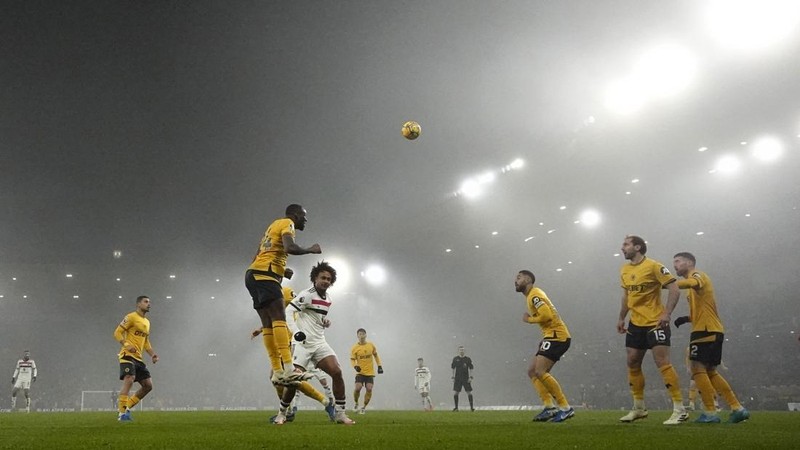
column 664, row 271
column 696, row 275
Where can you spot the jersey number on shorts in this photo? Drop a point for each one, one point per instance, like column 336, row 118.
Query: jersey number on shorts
column 693, row 350
column 661, row 335
column 545, row 346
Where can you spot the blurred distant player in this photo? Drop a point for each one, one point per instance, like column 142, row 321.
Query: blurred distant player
column 641, row 281
column 303, row 386
column 362, row 355
column 705, row 344
column 311, row 348
column 24, row 375
column 422, row 383
column 462, row 377
column 133, row 334
column 555, row 342
column 263, row 281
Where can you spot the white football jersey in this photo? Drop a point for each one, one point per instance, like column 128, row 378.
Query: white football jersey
column 311, row 309
column 25, row 370
column 421, row 376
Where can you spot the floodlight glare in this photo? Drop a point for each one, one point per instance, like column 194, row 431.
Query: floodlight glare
column 728, row 164
column 344, row 274
column 767, row 149
column 375, row 275
column 625, row 96
column 470, row 188
column 749, row 25
column 590, row 218
column 665, row 70
column 517, row 164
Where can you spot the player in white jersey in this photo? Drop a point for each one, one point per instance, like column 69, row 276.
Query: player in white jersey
column 24, row 375
column 311, row 349
column 422, row 383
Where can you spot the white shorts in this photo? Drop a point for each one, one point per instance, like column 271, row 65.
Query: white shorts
column 424, row 389
column 308, row 355
column 21, row 384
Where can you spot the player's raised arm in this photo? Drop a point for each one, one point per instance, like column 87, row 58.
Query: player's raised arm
column 292, row 248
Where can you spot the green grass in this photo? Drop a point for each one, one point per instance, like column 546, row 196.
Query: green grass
column 389, row 429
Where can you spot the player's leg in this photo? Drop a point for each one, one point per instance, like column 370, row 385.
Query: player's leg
column 27, row 392
column 145, row 386
column 268, row 303
column 14, row 397
column 468, row 389
column 661, row 357
column 634, row 358
column 367, row 396
column 692, row 393
column 357, row 392
column 330, row 365
column 323, row 381
column 127, row 374
column 703, row 383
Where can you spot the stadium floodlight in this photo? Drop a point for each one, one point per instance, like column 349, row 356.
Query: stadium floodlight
column 344, row 274
column 665, row 70
column 517, row 164
column 375, row 275
column 751, row 25
column 590, row 218
column 470, row 188
column 727, row 164
column 767, row 149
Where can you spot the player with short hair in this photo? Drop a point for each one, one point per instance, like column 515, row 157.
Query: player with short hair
column 311, row 349
column 363, row 357
column 555, row 342
column 462, row 377
column 707, row 336
column 422, row 383
column 24, row 374
column 641, row 281
column 133, row 334
column 263, row 281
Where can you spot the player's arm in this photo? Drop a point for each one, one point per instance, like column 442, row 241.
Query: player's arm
column 623, row 312
column 453, row 366
column 291, row 247
column 149, row 349
column 33, row 368
column 543, row 313
column 470, row 368
column 377, row 359
column 16, row 374
column 689, row 283
column 673, row 295
column 120, row 334
column 354, row 359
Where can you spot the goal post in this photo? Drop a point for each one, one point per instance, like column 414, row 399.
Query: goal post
column 102, row 401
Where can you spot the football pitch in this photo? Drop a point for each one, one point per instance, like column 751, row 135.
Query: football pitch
column 389, row 429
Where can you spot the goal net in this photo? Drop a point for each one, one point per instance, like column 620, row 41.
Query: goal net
column 102, row 401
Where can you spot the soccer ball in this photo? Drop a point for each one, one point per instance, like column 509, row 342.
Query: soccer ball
column 411, row 130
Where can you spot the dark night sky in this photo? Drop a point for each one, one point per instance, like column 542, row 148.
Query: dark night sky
column 176, row 131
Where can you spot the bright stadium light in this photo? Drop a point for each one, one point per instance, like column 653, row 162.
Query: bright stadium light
column 516, row 164
column 767, row 148
column 727, row 164
column 375, row 275
column 590, row 218
column 665, row 70
column 749, row 25
column 470, row 188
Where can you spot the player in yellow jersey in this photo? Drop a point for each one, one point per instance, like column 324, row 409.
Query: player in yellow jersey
column 705, row 342
column 555, row 342
column 263, row 281
column 362, row 355
column 642, row 281
column 133, row 334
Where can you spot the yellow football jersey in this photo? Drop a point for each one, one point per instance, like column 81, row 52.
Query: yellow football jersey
column 270, row 262
column 545, row 314
column 702, row 302
column 362, row 355
column 643, row 283
column 135, row 329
